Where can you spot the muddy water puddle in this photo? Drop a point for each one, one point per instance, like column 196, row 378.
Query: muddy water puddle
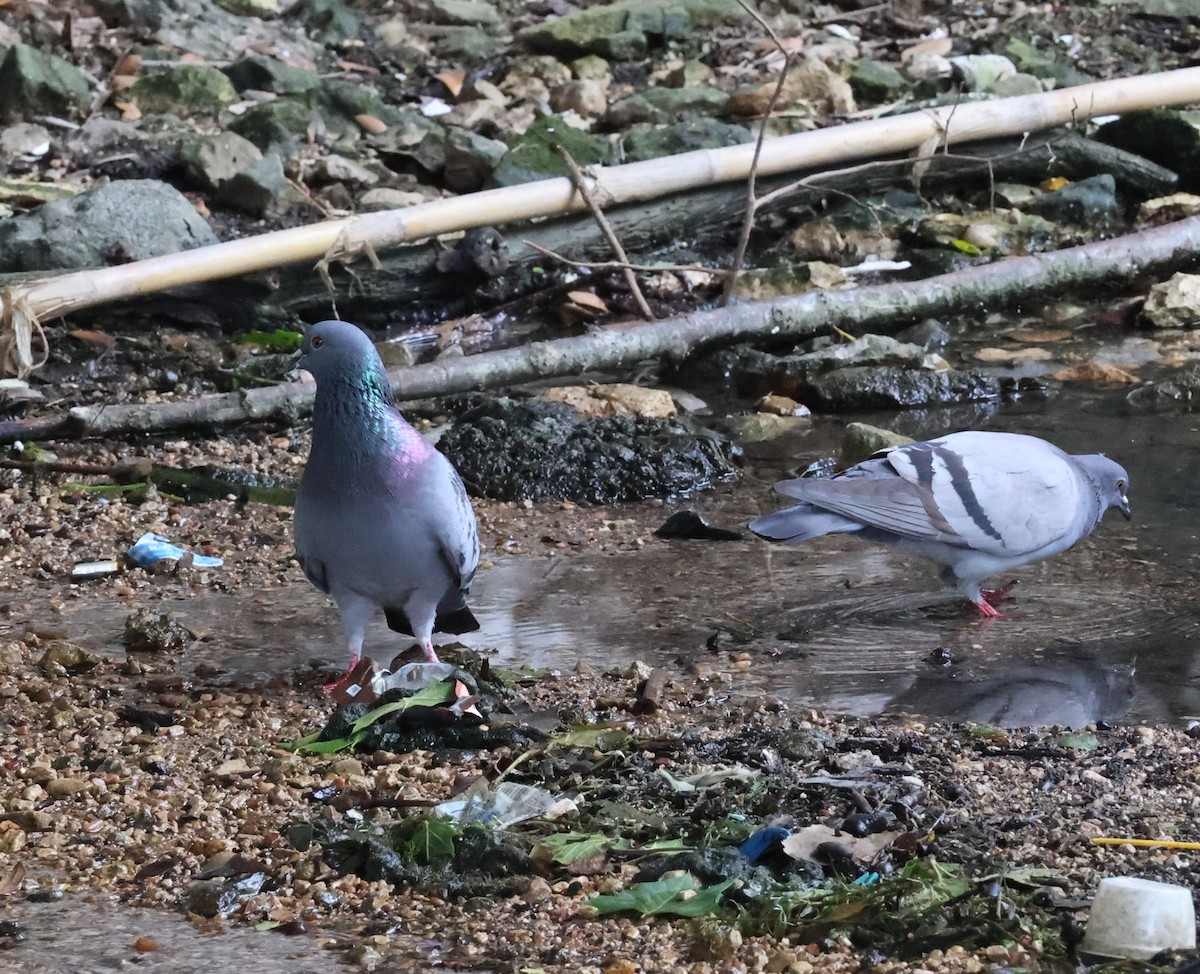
column 1105, row 631
column 97, row 935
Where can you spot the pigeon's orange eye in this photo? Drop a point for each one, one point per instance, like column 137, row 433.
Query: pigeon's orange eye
column 317, row 341
column 1120, row 485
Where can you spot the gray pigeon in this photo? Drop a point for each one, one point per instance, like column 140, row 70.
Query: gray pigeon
column 974, row 503
column 382, row 519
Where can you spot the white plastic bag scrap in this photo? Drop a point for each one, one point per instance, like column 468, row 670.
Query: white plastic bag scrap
column 506, row 805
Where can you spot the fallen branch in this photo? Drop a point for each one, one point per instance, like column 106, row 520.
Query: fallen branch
column 879, row 309
column 341, row 240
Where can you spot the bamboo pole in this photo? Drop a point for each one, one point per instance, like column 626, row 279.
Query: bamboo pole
column 345, row 239
column 881, row 308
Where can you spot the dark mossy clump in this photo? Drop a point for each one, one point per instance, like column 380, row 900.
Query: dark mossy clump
column 511, row 450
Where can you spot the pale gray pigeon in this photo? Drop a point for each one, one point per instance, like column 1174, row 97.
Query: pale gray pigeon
column 974, row 503
column 382, row 519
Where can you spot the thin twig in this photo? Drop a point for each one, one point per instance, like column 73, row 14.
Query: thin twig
column 614, row 265
column 630, row 278
column 752, row 204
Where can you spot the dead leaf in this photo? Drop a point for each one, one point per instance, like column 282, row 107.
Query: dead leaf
column 803, row 843
column 144, row 945
column 940, row 46
column 453, row 80
column 91, row 337
column 12, row 882
column 1039, row 336
column 587, row 299
column 128, row 65
column 1099, row 373
column 1053, row 183
column 1013, row 356
column 371, row 124
column 358, row 67
column 129, row 111
column 582, row 307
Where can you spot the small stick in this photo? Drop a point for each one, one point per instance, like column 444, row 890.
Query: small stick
column 1145, row 843
column 630, row 278
column 752, row 201
column 613, row 265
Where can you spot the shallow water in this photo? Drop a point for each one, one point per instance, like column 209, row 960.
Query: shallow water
column 835, row 624
column 96, row 935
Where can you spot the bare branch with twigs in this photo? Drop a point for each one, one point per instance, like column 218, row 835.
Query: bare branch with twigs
column 581, row 184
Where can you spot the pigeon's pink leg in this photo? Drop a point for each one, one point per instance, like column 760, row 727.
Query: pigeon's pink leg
column 430, row 653
column 994, row 595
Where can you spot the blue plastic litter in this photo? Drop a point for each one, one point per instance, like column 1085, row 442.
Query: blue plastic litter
column 151, row 548
column 755, row 847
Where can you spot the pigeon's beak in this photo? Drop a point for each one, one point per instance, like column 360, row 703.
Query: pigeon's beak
column 294, row 362
column 1123, row 507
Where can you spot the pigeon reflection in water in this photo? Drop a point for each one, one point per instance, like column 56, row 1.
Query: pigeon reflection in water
column 974, row 503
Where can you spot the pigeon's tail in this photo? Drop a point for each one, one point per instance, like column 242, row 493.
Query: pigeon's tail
column 801, row 523
column 453, row 620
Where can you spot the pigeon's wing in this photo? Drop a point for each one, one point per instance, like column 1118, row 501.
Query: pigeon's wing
column 884, row 501
column 458, row 535
column 1000, row 493
column 315, row 571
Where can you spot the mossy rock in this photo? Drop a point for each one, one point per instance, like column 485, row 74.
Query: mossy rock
column 183, row 89
column 535, row 156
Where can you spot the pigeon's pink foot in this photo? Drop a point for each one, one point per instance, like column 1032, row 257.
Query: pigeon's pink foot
column 345, row 676
column 988, row 610
column 994, row 595
column 430, row 654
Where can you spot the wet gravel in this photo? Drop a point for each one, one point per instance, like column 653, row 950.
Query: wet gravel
column 138, row 776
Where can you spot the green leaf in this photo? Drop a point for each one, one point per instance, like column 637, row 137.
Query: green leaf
column 965, row 247
column 679, row 895
column 1081, row 741
column 430, row 696
column 267, row 925
column 602, row 737
column 430, row 842
column 568, row 847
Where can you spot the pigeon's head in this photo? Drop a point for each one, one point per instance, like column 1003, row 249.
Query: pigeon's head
column 336, row 348
column 1110, row 479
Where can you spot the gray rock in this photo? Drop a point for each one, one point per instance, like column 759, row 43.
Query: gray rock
column 586, row 98
column 33, row 82
column 470, row 159
column 256, row 187
column 326, row 21
column 1181, row 390
column 625, row 30
column 123, row 221
column 462, row 43
column 470, row 13
column 261, row 73
column 860, row 440
column 534, row 155
column 664, row 105
column 1087, row 202
column 211, row 160
column 183, row 89
column 374, row 200
column 930, row 334
column 277, row 124
column 25, row 140
column 647, row 142
column 892, row 387
column 339, row 169
column 873, row 82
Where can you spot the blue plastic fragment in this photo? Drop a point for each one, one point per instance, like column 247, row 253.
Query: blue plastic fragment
column 866, row 879
column 755, row 847
column 151, row 548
